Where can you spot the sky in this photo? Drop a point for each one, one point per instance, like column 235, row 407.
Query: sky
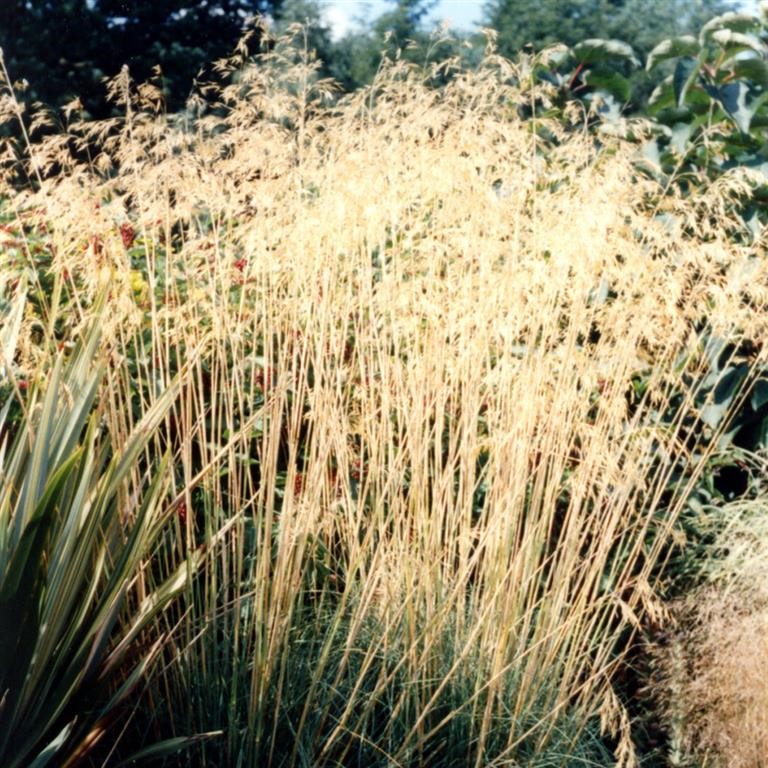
column 462, row 14
column 342, row 14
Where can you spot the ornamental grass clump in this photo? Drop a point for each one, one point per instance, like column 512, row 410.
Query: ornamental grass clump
column 445, row 394
column 711, row 670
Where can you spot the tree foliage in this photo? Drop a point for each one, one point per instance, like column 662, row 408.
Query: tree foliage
column 356, row 57
column 641, row 23
column 63, row 48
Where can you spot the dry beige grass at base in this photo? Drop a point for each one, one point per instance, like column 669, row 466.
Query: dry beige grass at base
column 712, row 669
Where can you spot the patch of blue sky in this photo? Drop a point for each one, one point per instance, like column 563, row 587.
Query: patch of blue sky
column 347, row 15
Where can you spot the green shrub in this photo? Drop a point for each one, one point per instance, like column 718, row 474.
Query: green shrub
column 78, row 521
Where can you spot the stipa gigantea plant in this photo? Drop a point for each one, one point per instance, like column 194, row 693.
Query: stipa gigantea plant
column 446, row 394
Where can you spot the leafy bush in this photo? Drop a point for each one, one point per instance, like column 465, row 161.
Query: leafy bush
column 77, row 524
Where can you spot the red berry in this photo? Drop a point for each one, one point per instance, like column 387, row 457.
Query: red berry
column 263, row 378
column 127, row 234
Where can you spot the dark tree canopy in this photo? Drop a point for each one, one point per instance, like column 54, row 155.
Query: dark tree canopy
column 64, row 48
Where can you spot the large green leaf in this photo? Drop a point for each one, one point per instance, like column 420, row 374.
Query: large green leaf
column 737, row 42
column 687, row 45
column 736, row 101
column 685, row 74
column 752, row 69
column 610, row 82
column 759, row 395
column 728, row 386
column 662, row 96
column 596, row 50
column 732, row 22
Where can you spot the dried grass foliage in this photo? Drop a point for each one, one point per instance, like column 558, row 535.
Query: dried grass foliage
column 712, row 669
column 414, row 282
